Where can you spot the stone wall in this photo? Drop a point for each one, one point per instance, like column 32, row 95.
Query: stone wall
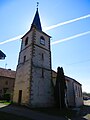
column 22, row 82
column 33, row 76
column 74, row 91
column 7, row 79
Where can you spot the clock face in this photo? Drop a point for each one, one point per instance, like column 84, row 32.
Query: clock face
column 42, row 41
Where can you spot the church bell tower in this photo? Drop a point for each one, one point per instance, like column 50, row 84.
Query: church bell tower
column 33, row 83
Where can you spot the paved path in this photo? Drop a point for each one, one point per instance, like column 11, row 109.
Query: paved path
column 87, row 102
column 21, row 111
column 84, row 113
column 2, row 105
column 28, row 113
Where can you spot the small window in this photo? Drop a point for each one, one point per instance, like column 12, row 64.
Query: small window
column 24, row 58
column 80, row 92
column 6, row 83
column 76, row 88
column 26, row 41
column 42, row 56
column 42, row 40
column 42, row 73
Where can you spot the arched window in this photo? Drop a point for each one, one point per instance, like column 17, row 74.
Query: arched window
column 42, row 40
column 26, row 41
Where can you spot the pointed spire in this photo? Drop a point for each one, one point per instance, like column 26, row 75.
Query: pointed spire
column 36, row 21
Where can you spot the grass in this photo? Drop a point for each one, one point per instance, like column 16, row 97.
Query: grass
column 5, row 102
column 9, row 116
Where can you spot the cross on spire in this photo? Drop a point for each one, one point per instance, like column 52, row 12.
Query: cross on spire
column 37, row 4
column 36, row 21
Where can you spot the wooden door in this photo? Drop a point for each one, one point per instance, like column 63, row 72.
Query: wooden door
column 20, row 96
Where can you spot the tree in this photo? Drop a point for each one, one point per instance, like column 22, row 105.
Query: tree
column 60, row 88
column 57, row 90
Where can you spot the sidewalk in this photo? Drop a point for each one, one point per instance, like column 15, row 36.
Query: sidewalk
column 25, row 112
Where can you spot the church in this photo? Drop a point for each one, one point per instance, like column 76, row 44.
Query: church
column 34, row 82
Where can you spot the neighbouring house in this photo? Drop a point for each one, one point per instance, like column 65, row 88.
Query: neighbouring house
column 2, row 55
column 7, row 79
column 74, row 95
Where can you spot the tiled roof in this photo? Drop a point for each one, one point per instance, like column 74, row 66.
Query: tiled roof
column 7, row 73
column 69, row 78
column 54, row 74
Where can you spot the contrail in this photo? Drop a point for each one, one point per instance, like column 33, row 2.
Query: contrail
column 49, row 28
column 53, row 43
column 66, row 22
column 69, row 38
column 12, row 39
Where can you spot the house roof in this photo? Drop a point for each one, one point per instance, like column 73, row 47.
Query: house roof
column 7, row 73
column 54, row 74
column 69, row 78
column 2, row 55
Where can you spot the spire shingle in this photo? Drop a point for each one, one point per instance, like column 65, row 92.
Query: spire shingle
column 36, row 21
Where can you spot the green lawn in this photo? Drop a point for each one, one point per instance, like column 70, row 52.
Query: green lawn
column 8, row 116
column 5, row 102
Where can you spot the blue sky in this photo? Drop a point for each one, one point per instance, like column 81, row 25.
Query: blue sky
column 73, row 55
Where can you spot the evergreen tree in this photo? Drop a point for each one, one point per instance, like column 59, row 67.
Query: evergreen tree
column 57, row 88
column 60, row 88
